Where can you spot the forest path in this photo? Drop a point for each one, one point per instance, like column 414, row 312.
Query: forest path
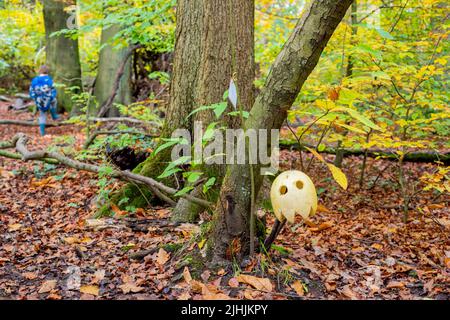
column 360, row 249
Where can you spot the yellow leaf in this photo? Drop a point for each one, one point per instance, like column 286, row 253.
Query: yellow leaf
column 316, row 154
column 263, row 284
column 71, row 240
column 201, row 244
column 14, row 227
column 339, row 176
column 93, row 290
column 377, row 246
column 321, row 208
column 298, row 287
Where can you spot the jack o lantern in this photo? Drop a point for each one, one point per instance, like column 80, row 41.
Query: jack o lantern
column 293, row 192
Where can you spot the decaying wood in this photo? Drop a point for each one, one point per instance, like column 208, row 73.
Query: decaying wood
column 419, row 156
column 160, row 190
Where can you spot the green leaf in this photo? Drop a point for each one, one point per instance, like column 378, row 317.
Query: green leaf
column 183, row 191
column 193, row 177
column 209, row 184
column 170, row 143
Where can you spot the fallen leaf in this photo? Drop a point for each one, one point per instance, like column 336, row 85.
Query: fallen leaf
column 258, row 283
column 233, row 282
column 14, row 227
column 395, row 284
column 298, row 287
column 187, row 275
column 99, row 275
column 94, row 290
column 130, row 287
column 71, row 240
column 377, row 246
column 29, row 275
column 346, row 291
column 48, row 286
column 162, row 257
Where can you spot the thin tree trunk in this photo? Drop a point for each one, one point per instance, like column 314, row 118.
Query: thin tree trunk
column 111, row 58
column 292, row 67
column 62, row 53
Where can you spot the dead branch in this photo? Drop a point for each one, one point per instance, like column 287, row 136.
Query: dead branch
column 156, row 187
column 30, row 123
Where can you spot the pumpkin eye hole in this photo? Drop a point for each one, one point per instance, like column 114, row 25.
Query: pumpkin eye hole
column 299, row 185
column 283, row 190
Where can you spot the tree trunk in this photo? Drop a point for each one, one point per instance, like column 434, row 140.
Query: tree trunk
column 214, row 41
column 111, row 58
column 227, row 52
column 186, row 68
column 62, row 53
column 292, row 67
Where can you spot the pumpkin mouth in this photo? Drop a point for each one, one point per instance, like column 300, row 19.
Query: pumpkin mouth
column 283, row 190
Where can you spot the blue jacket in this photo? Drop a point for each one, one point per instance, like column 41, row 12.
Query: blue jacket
column 43, row 92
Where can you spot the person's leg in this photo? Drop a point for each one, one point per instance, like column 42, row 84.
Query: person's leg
column 42, row 122
column 53, row 109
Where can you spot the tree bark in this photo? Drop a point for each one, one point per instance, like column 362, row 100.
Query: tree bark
column 62, row 53
column 292, row 67
column 111, row 58
column 214, row 41
column 227, row 52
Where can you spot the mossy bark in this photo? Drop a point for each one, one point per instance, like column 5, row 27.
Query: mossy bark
column 292, row 67
column 62, row 53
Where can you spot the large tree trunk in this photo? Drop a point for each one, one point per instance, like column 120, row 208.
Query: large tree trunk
column 62, row 53
column 111, row 58
column 292, row 67
column 214, row 40
column 186, row 68
column 227, row 52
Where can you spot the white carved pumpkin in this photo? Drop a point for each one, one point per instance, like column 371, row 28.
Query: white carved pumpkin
column 293, row 192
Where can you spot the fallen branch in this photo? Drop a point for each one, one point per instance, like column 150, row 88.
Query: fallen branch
column 424, row 156
column 59, row 124
column 156, row 187
column 30, row 123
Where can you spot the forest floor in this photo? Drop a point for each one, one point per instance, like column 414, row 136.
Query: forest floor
column 51, row 248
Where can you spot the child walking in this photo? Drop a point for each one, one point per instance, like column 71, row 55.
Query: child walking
column 43, row 92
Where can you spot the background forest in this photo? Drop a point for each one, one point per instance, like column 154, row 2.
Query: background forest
column 370, row 126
